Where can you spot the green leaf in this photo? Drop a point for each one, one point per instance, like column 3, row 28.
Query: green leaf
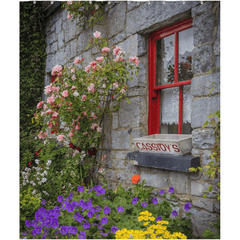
column 205, row 124
column 210, row 188
column 204, row 195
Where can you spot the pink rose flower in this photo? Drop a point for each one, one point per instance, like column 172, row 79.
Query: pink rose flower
column 93, row 63
column 84, row 97
column 77, row 127
column 87, row 69
column 56, row 69
column 115, row 85
column 40, row 104
column 105, row 49
column 99, row 59
column 73, row 87
column 51, row 99
column 73, row 70
column 48, row 89
column 69, row 15
column 122, row 91
column 70, row 134
column 55, row 114
column 118, row 50
column 99, row 129
column 91, row 88
column 93, row 126
column 60, row 137
column 97, row 34
column 135, row 60
column 73, row 77
column 69, row 2
column 65, row 93
column 76, row 60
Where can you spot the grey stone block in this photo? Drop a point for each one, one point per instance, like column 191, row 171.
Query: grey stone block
column 64, row 15
column 202, row 59
column 87, row 58
column 138, row 132
column 201, row 8
column 206, row 157
column 48, row 49
column 206, row 204
column 131, row 115
column 216, row 47
column 51, row 38
column 114, row 120
column 107, row 132
column 83, row 39
column 203, row 138
column 61, row 39
column 201, row 108
column 159, row 180
column 201, row 85
column 110, row 175
column 121, row 154
column 201, row 220
column 120, row 139
column 54, row 47
column 140, row 79
column 118, row 38
column 179, row 181
column 50, row 62
column 59, row 25
column 131, row 5
column 149, row 17
column 136, row 91
column 73, row 47
column 116, row 19
column 118, row 164
column 70, row 29
column 53, row 27
column 197, row 188
column 203, row 28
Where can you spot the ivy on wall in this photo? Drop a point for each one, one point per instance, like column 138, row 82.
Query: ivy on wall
column 32, row 65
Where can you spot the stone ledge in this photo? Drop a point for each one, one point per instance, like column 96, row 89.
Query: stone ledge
column 164, row 161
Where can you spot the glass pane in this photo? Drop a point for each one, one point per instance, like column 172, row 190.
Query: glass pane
column 187, row 99
column 165, row 60
column 185, row 45
column 169, row 110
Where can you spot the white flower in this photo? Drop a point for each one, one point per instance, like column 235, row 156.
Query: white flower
column 34, row 184
column 49, row 162
column 44, row 180
column 104, row 85
column 34, row 191
column 39, row 182
column 75, row 94
column 47, row 167
column 37, row 161
column 24, row 183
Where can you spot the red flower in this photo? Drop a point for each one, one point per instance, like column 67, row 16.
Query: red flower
column 36, row 153
column 79, row 149
column 30, row 163
column 92, row 152
column 135, row 179
column 72, row 146
column 40, row 150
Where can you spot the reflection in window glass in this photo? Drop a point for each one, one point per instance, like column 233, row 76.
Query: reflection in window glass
column 187, row 99
column 165, row 60
column 185, row 45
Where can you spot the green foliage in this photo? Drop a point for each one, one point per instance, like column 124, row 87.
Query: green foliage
column 29, row 204
column 207, row 234
column 32, row 68
column 126, row 219
column 88, row 14
column 212, row 169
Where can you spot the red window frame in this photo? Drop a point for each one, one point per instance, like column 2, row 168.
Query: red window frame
column 154, row 91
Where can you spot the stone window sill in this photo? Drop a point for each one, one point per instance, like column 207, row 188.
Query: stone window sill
column 164, row 161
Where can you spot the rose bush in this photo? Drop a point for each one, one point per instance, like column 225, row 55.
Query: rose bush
column 80, row 96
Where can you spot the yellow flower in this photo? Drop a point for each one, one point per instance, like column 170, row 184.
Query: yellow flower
column 146, row 223
column 145, row 218
column 152, row 218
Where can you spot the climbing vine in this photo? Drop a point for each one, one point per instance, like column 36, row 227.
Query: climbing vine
column 32, row 66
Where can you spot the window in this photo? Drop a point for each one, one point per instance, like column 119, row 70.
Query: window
column 170, row 74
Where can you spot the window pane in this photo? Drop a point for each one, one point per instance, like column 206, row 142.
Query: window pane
column 185, row 45
column 187, row 99
column 169, row 110
column 165, row 60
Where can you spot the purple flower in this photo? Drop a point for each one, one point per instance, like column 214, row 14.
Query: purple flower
column 24, row 233
column 102, row 191
column 107, row 210
column 55, row 223
column 82, row 235
column 99, row 226
column 81, row 203
column 144, row 204
column 48, row 222
column 162, row 192
column 171, row 190
column 85, row 205
column 81, row 188
column 28, row 223
column 154, row 201
column 104, row 220
column 60, row 198
column 187, row 206
column 104, row 234
column 159, row 219
column 38, row 217
column 64, row 230
column 86, row 225
column 134, row 201
column 70, row 207
column 43, row 202
column 75, row 204
column 97, row 216
column 103, row 198
column 114, row 229
column 70, row 196
column 97, row 209
column 38, row 229
column 34, row 223
column 79, row 218
column 98, row 193
column 120, row 209
column 90, row 213
column 174, row 213
column 72, row 230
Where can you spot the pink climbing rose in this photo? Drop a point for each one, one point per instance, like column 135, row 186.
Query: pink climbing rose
column 105, row 49
column 97, row 34
column 60, row 137
column 65, row 93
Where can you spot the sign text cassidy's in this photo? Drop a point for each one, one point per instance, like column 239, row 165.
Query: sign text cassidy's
column 159, row 147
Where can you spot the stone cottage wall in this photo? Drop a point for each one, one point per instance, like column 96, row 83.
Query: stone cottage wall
column 128, row 26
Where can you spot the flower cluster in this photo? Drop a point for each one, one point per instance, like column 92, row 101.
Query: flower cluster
column 154, row 231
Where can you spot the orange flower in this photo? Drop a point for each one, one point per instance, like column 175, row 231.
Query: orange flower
column 135, row 179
